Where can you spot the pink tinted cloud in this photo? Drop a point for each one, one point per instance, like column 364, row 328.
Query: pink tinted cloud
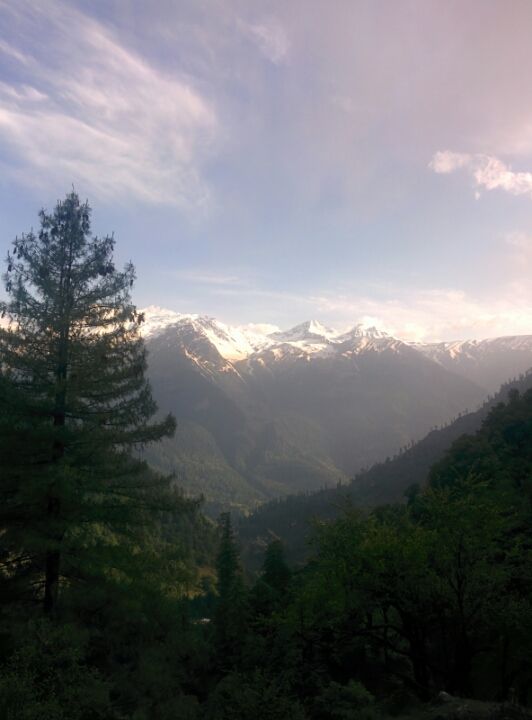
column 486, row 171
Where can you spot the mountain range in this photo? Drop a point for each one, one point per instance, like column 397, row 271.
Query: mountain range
column 263, row 412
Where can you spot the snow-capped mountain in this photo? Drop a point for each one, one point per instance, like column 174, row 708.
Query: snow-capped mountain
column 157, row 319
column 308, row 333
column 486, row 362
column 235, row 343
column 263, row 411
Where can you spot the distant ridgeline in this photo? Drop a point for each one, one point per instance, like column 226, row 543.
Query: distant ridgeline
column 290, row 518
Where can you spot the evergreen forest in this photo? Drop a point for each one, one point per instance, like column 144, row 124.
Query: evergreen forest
column 121, row 600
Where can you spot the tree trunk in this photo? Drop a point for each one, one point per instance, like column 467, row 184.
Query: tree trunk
column 53, row 563
column 53, row 554
column 460, row 680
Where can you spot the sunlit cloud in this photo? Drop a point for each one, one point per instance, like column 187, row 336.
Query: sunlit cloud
column 93, row 113
column 487, row 172
column 433, row 315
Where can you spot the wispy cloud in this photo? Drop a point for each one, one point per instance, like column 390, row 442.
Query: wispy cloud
column 87, row 110
column 486, row 171
column 7, row 49
column 269, row 36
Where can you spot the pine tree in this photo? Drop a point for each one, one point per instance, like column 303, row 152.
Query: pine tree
column 275, row 571
column 271, row 590
column 74, row 403
column 230, row 616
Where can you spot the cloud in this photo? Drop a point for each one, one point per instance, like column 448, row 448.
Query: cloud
column 486, row 171
column 270, row 37
column 89, row 111
column 436, row 314
column 491, row 174
column 12, row 52
column 446, row 161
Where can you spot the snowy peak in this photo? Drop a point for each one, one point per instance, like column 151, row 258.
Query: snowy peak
column 471, row 349
column 232, row 343
column 157, row 319
column 486, row 362
column 360, row 331
column 311, row 330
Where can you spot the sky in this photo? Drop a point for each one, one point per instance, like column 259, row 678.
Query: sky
column 272, row 162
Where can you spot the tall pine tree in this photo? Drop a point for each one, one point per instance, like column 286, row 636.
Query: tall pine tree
column 74, row 403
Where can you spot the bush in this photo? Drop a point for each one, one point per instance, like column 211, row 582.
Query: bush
column 345, row 702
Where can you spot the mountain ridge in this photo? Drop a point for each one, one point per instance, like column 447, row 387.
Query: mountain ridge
column 263, row 412
column 236, row 343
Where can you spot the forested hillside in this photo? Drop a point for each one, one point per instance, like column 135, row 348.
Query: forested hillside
column 387, row 482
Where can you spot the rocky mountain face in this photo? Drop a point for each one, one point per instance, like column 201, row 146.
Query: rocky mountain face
column 263, row 412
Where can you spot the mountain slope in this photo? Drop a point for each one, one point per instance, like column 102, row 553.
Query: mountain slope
column 290, row 518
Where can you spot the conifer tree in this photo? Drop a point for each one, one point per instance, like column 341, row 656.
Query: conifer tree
column 230, row 615
column 275, row 571
column 74, row 402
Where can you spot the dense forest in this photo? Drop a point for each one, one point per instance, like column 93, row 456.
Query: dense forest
column 120, row 600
